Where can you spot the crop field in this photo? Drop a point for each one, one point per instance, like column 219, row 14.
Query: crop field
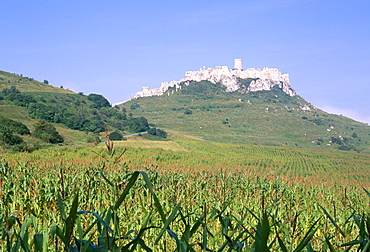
column 184, row 195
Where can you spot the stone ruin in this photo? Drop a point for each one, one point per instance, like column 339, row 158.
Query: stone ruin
column 265, row 79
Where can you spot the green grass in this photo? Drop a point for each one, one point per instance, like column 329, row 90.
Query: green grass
column 67, row 110
column 25, row 84
column 266, row 119
column 20, row 114
column 16, row 113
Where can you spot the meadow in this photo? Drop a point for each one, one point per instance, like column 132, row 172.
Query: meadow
column 184, row 195
column 264, row 118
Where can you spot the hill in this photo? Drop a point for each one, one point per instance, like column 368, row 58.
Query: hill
column 26, row 84
column 204, row 110
column 25, row 100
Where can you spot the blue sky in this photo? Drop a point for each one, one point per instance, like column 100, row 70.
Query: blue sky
column 116, row 47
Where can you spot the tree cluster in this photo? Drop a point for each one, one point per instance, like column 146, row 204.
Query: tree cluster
column 157, row 132
column 98, row 100
column 85, row 113
column 10, row 133
column 47, row 132
column 18, row 98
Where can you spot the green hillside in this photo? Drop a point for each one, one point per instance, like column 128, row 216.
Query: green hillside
column 78, row 117
column 26, row 84
column 273, row 118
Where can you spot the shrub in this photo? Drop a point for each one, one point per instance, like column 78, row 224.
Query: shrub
column 115, row 136
column 344, row 148
column 12, row 139
column 93, row 138
column 138, row 124
column 47, row 132
column 18, row 98
column 157, row 132
column 317, row 121
column 134, row 106
column 14, row 126
column 98, row 100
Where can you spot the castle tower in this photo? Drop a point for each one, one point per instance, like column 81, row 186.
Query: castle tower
column 238, row 64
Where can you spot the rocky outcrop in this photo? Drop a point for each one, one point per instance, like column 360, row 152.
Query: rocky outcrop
column 264, row 79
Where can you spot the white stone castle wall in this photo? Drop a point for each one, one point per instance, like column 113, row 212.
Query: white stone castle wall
column 267, row 79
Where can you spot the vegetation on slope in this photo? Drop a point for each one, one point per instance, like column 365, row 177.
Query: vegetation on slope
column 31, row 101
column 26, row 84
column 273, row 118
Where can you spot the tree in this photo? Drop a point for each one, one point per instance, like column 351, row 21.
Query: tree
column 46, row 81
column 115, row 136
column 19, row 99
column 157, row 132
column 98, row 100
column 14, row 126
column 138, row 124
column 7, row 137
column 92, row 138
column 47, row 132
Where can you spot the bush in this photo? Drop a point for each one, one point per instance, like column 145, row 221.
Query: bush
column 344, row 148
column 188, row 112
column 93, row 138
column 317, row 121
column 115, row 136
column 18, row 98
column 47, row 132
column 157, row 132
column 14, row 126
column 138, row 124
column 134, row 106
column 98, row 100
column 12, row 139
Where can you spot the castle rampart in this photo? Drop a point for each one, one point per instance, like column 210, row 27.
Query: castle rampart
column 267, row 78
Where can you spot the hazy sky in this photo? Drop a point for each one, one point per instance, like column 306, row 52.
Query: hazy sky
column 114, row 48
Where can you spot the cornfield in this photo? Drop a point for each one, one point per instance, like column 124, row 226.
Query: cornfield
column 95, row 199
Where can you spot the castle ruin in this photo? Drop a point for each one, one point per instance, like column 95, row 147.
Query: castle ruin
column 265, row 79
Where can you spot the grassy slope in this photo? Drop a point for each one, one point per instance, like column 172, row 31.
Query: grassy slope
column 20, row 114
column 25, row 84
column 265, row 119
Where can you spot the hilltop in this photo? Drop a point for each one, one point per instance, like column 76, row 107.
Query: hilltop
column 232, row 79
column 27, row 84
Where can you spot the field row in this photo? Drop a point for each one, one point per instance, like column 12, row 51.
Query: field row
column 220, row 197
